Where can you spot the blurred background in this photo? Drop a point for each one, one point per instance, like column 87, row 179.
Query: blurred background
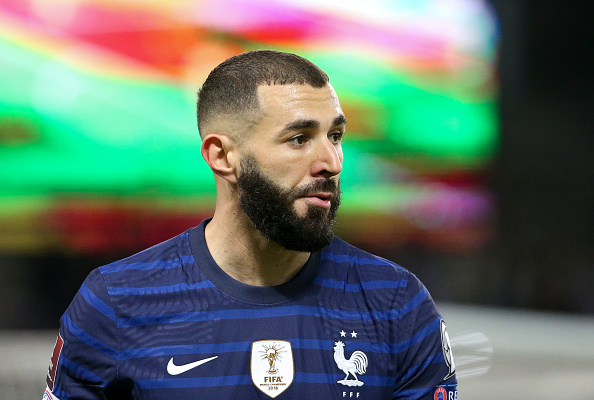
column 468, row 159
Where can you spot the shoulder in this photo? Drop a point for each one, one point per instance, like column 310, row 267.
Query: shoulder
column 350, row 268
column 162, row 253
column 150, row 267
column 341, row 254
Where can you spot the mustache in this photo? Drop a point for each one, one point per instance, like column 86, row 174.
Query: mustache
column 319, row 185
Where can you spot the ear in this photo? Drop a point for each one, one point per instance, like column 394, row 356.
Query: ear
column 221, row 154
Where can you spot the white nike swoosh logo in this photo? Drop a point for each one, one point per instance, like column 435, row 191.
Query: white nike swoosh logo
column 173, row 369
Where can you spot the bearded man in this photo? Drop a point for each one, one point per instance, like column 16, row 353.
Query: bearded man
column 198, row 316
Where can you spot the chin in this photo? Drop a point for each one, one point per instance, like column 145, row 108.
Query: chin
column 301, row 208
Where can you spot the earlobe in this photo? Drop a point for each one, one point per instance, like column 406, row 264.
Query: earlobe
column 219, row 153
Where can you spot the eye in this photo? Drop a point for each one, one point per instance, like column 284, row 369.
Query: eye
column 298, row 140
column 335, row 137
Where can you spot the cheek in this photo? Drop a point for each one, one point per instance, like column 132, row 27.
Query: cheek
column 286, row 172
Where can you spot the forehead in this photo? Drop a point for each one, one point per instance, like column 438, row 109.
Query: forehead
column 295, row 101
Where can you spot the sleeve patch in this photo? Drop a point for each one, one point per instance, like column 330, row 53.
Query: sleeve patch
column 445, row 393
column 53, row 366
column 447, row 351
column 48, row 395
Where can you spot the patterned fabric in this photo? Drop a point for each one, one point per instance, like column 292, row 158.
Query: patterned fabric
column 168, row 323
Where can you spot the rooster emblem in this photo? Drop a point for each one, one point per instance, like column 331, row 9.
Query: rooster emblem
column 356, row 364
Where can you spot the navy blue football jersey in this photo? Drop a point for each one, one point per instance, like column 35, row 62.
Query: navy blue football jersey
column 168, row 323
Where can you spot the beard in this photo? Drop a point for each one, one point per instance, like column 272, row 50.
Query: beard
column 271, row 209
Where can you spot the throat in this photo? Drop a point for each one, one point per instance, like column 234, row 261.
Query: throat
column 266, row 273
column 250, row 258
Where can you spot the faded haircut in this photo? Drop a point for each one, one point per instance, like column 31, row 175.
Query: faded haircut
column 232, row 87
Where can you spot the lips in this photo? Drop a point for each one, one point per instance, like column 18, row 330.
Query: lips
column 320, row 199
column 323, row 195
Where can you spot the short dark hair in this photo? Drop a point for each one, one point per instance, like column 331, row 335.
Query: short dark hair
column 231, row 87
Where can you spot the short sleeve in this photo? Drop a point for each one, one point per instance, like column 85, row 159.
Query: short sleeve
column 425, row 363
column 85, row 358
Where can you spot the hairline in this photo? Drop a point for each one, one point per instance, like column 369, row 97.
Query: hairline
column 250, row 116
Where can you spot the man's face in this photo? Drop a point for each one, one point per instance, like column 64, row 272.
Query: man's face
column 290, row 166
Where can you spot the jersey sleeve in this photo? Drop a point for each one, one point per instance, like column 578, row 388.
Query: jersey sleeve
column 424, row 357
column 85, row 359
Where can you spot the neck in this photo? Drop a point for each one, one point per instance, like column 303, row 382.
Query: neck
column 246, row 255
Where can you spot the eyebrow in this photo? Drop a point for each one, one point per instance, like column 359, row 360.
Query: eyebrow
column 340, row 120
column 302, row 124
column 312, row 124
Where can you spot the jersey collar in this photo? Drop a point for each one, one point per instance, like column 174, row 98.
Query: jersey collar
column 247, row 293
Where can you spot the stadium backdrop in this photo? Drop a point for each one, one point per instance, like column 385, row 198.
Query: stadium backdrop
column 99, row 151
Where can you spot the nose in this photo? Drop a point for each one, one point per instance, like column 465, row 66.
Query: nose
column 328, row 162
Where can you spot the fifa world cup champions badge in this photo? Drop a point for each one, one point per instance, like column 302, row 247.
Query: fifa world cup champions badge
column 272, row 366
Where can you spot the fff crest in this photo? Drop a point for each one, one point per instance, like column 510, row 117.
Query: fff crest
column 272, row 366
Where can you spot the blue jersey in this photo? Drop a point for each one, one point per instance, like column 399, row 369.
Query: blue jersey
column 168, row 323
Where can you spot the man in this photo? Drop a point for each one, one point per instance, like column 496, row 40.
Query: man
column 261, row 300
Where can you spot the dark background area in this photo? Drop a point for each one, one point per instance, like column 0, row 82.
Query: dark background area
column 541, row 257
column 545, row 172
